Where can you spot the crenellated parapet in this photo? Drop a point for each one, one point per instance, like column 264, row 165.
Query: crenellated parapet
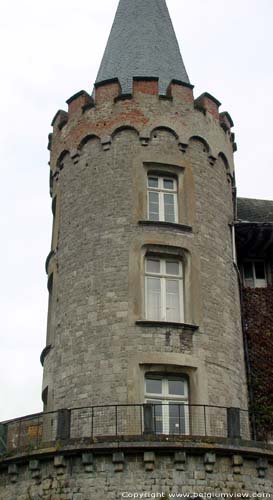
column 145, row 111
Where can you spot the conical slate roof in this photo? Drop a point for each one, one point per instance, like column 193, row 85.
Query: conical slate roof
column 142, row 43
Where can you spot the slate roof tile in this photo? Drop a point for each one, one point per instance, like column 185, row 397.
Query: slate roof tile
column 142, row 43
column 252, row 210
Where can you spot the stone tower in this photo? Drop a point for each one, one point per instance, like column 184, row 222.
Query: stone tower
column 144, row 389
column 142, row 282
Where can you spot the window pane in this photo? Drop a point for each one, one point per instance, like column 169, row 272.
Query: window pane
column 169, row 207
column 153, row 299
column 177, row 419
column 248, row 270
column 177, row 387
column 168, row 184
column 172, row 301
column 154, row 216
column 153, row 205
column 172, row 268
column 153, row 386
column 153, row 266
column 153, row 197
column 153, row 182
column 259, row 270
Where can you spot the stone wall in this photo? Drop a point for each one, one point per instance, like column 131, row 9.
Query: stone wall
column 100, row 346
column 151, row 471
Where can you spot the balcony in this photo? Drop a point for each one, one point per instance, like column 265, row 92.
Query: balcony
column 102, row 424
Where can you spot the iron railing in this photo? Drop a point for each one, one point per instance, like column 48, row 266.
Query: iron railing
column 124, row 421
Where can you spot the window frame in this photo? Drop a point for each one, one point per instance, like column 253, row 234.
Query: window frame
column 161, row 192
column 164, row 277
column 165, row 399
column 256, row 282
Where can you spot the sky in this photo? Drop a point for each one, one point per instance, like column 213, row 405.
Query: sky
column 51, row 50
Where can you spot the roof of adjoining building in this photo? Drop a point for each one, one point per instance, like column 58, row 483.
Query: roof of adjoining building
column 142, row 43
column 251, row 210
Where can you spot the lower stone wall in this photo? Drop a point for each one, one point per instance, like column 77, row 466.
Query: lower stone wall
column 159, row 471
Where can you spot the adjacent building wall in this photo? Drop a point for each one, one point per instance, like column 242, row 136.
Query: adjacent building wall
column 258, row 321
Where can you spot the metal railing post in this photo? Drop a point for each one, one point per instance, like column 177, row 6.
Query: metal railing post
column 3, row 438
column 38, row 431
column 92, row 423
column 63, row 424
column 234, row 423
column 205, row 420
column 179, row 418
column 148, row 419
column 19, row 434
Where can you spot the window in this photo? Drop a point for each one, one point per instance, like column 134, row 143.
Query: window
column 254, row 274
column 164, row 289
column 45, row 397
column 162, row 199
column 169, row 397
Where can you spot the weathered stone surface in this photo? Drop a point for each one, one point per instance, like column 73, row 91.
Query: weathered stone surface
column 34, row 465
column 59, row 461
column 134, row 478
column 237, row 460
column 118, row 457
column 94, row 307
column 149, row 456
column 99, row 353
column 180, row 458
column 87, row 458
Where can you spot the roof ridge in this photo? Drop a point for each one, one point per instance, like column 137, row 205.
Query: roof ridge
column 254, row 199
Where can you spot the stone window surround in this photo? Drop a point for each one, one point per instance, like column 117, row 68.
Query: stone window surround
column 180, row 173
column 165, row 364
column 171, row 164
column 163, row 251
column 167, row 371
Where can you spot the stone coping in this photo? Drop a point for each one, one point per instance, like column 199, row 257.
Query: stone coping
column 135, row 444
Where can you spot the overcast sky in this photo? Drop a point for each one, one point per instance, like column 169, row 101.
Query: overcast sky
column 49, row 51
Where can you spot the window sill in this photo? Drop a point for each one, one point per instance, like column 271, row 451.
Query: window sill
column 168, row 225
column 167, row 324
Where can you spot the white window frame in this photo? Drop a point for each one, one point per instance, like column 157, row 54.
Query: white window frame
column 161, row 190
column 165, row 399
column 254, row 282
column 163, row 276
